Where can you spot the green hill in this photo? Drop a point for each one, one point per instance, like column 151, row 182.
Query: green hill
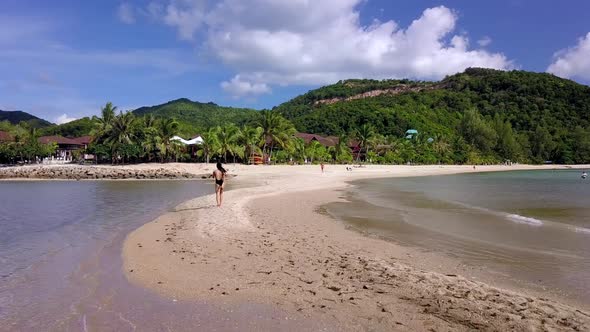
column 76, row 128
column 15, row 117
column 196, row 117
column 549, row 117
column 193, row 117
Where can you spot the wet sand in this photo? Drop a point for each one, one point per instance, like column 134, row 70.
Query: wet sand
column 271, row 245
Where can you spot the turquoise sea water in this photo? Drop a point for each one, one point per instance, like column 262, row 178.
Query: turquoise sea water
column 530, row 225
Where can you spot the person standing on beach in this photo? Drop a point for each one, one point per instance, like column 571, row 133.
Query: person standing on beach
column 322, row 166
column 219, row 176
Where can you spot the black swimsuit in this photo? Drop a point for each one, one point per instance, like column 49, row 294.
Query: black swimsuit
column 219, row 182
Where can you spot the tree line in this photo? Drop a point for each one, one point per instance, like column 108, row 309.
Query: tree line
column 24, row 145
column 124, row 137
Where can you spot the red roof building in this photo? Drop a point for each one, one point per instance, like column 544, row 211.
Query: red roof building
column 84, row 140
column 60, row 140
column 6, row 137
column 325, row 141
column 65, row 146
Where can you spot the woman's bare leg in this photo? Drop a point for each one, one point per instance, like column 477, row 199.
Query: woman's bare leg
column 218, row 195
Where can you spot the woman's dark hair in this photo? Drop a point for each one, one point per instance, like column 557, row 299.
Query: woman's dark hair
column 219, row 167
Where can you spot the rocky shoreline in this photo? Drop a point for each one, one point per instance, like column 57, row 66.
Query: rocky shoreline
column 77, row 172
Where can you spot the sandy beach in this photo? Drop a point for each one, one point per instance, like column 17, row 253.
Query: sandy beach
column 271, row 244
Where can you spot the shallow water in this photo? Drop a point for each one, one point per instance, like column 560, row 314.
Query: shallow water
column 533, row 226
column 61, row 266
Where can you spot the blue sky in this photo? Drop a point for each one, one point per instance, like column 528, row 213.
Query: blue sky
column 63, row 59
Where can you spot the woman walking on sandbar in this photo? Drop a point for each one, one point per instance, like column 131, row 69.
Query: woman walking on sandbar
column 219, row 176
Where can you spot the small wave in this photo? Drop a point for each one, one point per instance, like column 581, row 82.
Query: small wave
column 582, row 230
column 525, row 220
column 512, row 217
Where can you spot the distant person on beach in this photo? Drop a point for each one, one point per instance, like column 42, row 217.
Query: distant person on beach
column 322, row 166
column 219, row 176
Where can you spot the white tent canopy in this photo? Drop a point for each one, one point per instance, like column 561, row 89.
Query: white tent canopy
column 195, row 141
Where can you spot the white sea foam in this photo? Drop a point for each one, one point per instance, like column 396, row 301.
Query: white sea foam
column 525, row 220
column 582, row 230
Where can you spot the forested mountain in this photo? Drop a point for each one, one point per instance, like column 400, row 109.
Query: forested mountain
column 195, row 117
column 15, row 117
column 515, row 115
column 76, row 128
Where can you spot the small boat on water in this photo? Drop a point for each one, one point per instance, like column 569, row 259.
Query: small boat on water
column 584, row 175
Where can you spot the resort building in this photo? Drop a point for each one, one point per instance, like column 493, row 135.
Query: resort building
column 84, row 141
column 191, row 144
column 6, row 137
column 325, row 141
column 196, row 140
column 65, row 146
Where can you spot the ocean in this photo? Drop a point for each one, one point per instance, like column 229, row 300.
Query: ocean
column 61, row 265
column 60, row 252
column 532, row 226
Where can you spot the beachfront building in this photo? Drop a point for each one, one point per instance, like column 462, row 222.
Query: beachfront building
column 331, row 141
column 196, row 140
column 191, row 144
column 84, row 141
column 5, row 137
column 66, row 147
column 325, row 141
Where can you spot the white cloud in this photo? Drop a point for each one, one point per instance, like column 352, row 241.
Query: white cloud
column 126, row 13
column 574, row 61
column 485, row 41
column 186, row 15
column 64, row 119
column 265, row 43
column 240, row 88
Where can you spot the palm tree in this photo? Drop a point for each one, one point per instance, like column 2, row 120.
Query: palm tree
column 314, row 150
column 227, row 136
column 341, row 149
column 275, row 130
column 105, row 121
column 149, row 120
column 168, row 128
column 364, row 136
column 120, row 132
column 298, row 150
column 209, row 145
column 441, row 146
column 250, row 138
column 175, row 149
column 151, row 142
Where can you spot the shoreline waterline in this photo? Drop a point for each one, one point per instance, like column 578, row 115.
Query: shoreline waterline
column 519, row 248
column 219, row 242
